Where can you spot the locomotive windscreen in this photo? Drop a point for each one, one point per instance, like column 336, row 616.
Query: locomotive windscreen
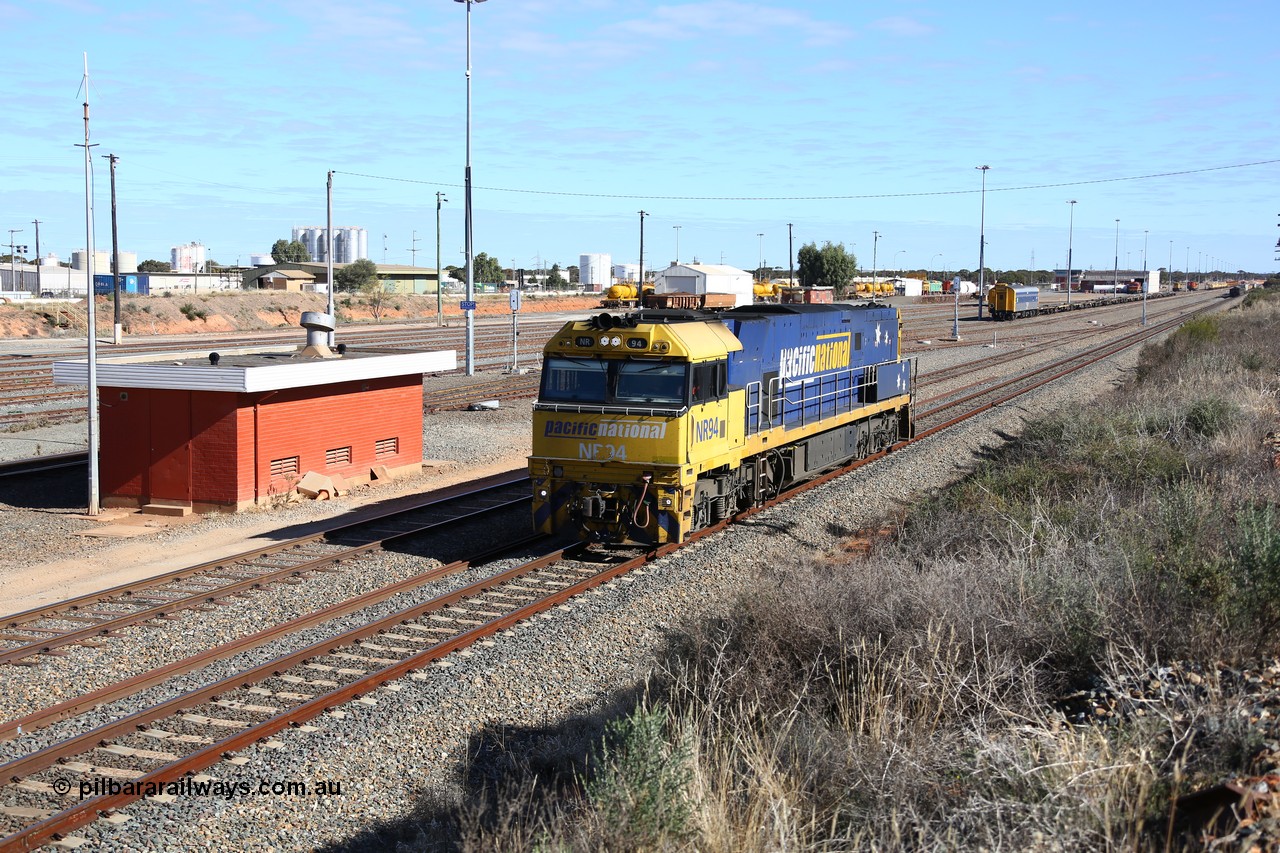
column 613, row 381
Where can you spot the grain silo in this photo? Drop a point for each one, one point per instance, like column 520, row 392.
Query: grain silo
column 595, row 272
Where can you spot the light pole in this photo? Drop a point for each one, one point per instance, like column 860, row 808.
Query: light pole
column 1146, row 285
column 117, row 328
column 875, row 242
column 895, row 261
column 1169, row 269
column 1071, row 224
column 471, row 270
column 931, row 260
column 760, row 256
column 677, row 228
column 1115, row 273
column 328, row 253
column 440, row 200
column 982, row 242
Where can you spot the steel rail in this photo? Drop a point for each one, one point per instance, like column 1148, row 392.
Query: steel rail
column 1159, row 328
column 78, row 705
column 88, row 809
column 50, row 611
column 1105, row 352
column 42, row 464
column 107, row 627
column 60, row 609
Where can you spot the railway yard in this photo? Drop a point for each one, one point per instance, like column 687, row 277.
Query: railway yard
column 369, row 643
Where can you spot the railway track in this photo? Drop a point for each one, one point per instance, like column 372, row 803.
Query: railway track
column 34, row 387
column 91, row 618
column 65, row 785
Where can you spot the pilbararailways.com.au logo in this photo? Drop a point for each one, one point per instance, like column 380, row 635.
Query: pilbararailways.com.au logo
column 193, row 786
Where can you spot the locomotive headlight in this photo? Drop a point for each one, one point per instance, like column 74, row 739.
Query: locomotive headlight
column 604, row 340
column 666, row 501
column 542, row 493
column 615, row 340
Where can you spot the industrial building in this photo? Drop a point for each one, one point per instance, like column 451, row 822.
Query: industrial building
column 308, row 277
column 202, row 431
column 706, row 278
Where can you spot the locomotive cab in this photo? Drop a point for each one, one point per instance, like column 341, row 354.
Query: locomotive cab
column 620, row 405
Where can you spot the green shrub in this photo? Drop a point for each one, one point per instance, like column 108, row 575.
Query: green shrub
column 1210, row 416
column 1203, row 329
column 193, row 313
column 1257, row 567
column 640, row 793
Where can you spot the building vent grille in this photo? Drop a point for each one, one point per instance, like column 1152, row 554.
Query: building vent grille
column 384, row 447
column 287, row 467
column 337, row 456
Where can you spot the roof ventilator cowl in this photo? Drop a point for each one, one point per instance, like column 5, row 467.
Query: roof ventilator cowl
column 318, row 326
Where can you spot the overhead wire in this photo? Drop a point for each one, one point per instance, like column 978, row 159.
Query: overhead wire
column 647, row 196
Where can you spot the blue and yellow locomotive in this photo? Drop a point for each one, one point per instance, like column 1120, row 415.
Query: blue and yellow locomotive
column 652, row 425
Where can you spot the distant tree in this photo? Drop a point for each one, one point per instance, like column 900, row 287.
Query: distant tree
column 831, row 266
column 484, row 269
column 555, row 280
column 575, row 276
column 290, row 251
column 355, row 277
column 154, row 266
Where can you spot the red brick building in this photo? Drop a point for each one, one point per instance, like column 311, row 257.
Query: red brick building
column 185, row 432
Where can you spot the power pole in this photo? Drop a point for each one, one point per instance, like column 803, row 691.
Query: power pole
column 440, row 199
column 13, row 252
column 118, row 329
column 413, row 250
column 39, row 288
column 791, row 257
column 640, row 283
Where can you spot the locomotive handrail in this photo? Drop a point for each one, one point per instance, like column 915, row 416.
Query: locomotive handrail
column 581, row 409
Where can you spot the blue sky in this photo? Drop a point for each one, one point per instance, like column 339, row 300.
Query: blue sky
column 726, row 118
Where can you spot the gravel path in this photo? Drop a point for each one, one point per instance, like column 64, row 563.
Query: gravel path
column 417, row 736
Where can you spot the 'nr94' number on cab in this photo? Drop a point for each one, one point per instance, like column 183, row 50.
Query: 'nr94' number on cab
column 601, row 452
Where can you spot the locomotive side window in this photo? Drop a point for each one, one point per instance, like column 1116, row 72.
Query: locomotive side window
column 574, row 380
column 857, row 341
column 709, row 381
